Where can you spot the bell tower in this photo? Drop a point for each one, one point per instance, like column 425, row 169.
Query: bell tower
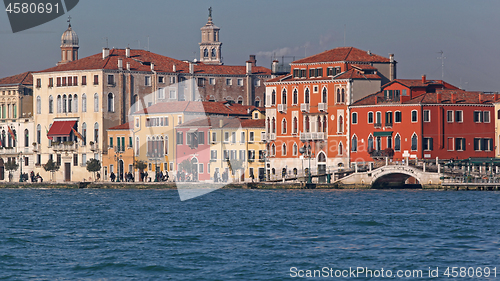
column 69, row 45
column 210, row 47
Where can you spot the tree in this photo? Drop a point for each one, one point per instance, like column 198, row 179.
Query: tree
column 94, row 165
column 235, row 165
column 51, row 167
column 140, row 165
column 187, row 166
column 10, row 166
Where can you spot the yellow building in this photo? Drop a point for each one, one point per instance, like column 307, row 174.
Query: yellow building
column 119, row 158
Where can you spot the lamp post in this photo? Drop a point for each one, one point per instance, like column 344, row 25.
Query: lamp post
column 156, row 164
column 118, row 157
column 306, row 150
column 21, row 179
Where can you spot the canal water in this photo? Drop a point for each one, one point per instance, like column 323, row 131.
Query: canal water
column 51, row 234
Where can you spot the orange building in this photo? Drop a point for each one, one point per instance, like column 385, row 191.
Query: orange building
column 309, row 108
column 119, row 158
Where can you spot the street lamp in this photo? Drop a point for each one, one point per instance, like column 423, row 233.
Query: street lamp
column 156, row 164
column 118, row 157
column 21, row 179
column 306, row 150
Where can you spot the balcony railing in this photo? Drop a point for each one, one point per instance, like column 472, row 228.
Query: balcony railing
column 282, row 108
column 8, row 150
column 94, row 146
column 312, row 136
column 377, row 125
column 304, row 107
column 388, row 124
column 58, row 147
column 322, row 107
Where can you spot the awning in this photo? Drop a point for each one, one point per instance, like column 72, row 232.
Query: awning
column 61, row 129
column 192, row 130
column 383, row 134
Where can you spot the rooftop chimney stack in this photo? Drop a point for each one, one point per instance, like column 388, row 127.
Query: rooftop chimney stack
column 423, row 79
column 481, row 97
column 392, row 68
column 128, row 65
column 221, row 123
column 127, row 52
column 152, row 67
column 253, row 60
column 105, row 53
column 495, row 96
column 120, row 64
column 249, row 67
column 191, row 67
column 274, row 67
column 174, row 69
column 438, row 97
column 453, row 97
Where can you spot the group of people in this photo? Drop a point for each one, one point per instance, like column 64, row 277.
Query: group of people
column 33, row 177
column 221, row 178
column 129, row 177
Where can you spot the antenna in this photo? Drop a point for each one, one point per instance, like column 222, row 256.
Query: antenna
column 106, row 41
column 148, row 43
column 442, row 58
column 344, row 34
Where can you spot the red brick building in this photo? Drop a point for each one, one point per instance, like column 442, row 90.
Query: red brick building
column 424, row 118
column 309, row 107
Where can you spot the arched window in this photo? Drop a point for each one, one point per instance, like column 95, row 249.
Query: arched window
column 38, row 134
column 341, row 149
column 96, row 102
column 273, row 97
column 4, row 144
column 283, row 149
column 26, row 138
column 273, row 126
column 295, row 149
column 96, row 133
column 342, row 96
column 38, row 105
column 166, row 145
column 321, row 157
column 283, row 97
column 268, row 125
column 205, row 53
column 338, row 95
column 498, row 114
column 324, row 124
column 137, row 146
column 75, row 103
column 319, row 128
column 341, row 125
column 354, row 143
column 64, row 104
column 84, row 133
column 283, row 126
column 370, row 143
column 84, row 103
column 51, row 104
column 414, row 142
column 324, row 96
column 273, row 149
column 397, row 143
column 111, row 102
column 295, row 96
column 240, row 100
column 3, row 111
column 70, row 103
column 306, row 96
column 256, row 103
column 214, row 53
column 306, row 124
column 295, row 125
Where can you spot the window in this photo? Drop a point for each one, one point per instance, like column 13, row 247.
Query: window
column 478, row 116
column 487, row 144
column 201, row 137
column 147, row 80
column 233, row 137
column 161, row 93
column 75, row 103
column 295, row 125
column 214, row 137
column 84, row 133
column 84, row 103
column 172, row 79
column 212, row 81
column 449, row 116
column 283, row 97
column 96, row 133
column 283, row 126
column 96, row 80
column 370, row 117
column 303, row 73
column 242, row 137
column 460, row 144
column 414, row 116
column 312, row 72
column 111, row 79
column 295, row 96
column 459, row 116
column 354, row 144
column 477, row 144
column 64, row 81
column 84, row 80
column 226, row 137
column 378, row 120
column 201, row 82
column 283, row 149
column 397, row 143
column 306, row 96
column 251, row 136
column 64, row 104
column 38, row 83
column 96, row 102
column 213, row 154
column 172, row 94
column 38, row 105
column 397, row 116
column 51, row 82
column 38, row 134
column 273, row 97
column 428, row 144
column 354, row 118
column 180, row 138
column 111, row 102
column 26, row 138
column 240, row 82
column 427, row 116
column 414, row 142
column 486, row 116
column 295, row 149
column 324, row 96
column 229, row 82
column 388, row 119
column 111, row 141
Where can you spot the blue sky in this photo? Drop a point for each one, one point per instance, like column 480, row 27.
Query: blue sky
column 415, row 31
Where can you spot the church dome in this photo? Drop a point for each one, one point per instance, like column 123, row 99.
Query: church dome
column 69, row 38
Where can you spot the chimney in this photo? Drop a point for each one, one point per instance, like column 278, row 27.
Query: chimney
column 127, row 52
column 152, row 67
column 438, row 97
column 495, row 96
column 369, row 52
column 423, row 79
column 120, row 64
column 274, row 67
column 105, row 53
column 253, row 60
column 191, row 67
column 481, row 97
column 249, row 67
column 453, row 97
column 221, row 123
column 392, row 67
column 128, row 65
column 173, row 68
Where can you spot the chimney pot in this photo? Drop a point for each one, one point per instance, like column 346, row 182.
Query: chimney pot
column 221, row 123
column 105, row 53
column 253, row 60
column 191, row 68
column 495, row 96
column 152, row 67
column 127, row 52
column 249, row 67
column 438, row 97
column 173, row 68
column 481, row 97
column 128, row 65
column 423, row 79
column 120, row 64
column 453, row 97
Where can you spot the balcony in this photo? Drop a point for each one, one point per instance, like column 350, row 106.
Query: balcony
column 282, row 108
column 377, row 125
column 8, row 150
column 251, row 159
column 94, row 146
column 388, row 125
column 312, row 136
column 36, row 147
column 264, row 137
column 64, row 146
column 322, row 107
column 272, row 136
column 304, row 107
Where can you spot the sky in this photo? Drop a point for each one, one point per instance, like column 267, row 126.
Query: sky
column 467, row 32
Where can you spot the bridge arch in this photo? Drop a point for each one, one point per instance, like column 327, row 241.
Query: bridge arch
column 395, row 176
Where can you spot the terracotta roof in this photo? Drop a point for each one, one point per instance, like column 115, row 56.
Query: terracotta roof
column 348, row 54
column 418, row 83
column 356, row 74
column 20, row 79
column 141, row 60
column 364, row 66
column 125, row 126
column 227, row 122
column 368, row 100
column 207, row 107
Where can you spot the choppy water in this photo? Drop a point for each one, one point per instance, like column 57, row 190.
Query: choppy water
column 242, row 234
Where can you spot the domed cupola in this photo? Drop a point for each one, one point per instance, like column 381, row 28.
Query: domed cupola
column 69, row 45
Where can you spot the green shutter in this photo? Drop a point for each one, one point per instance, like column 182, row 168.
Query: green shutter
column 431, row 145
column 110, row 141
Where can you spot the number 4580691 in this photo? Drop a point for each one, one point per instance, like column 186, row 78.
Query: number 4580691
column 32, row 8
